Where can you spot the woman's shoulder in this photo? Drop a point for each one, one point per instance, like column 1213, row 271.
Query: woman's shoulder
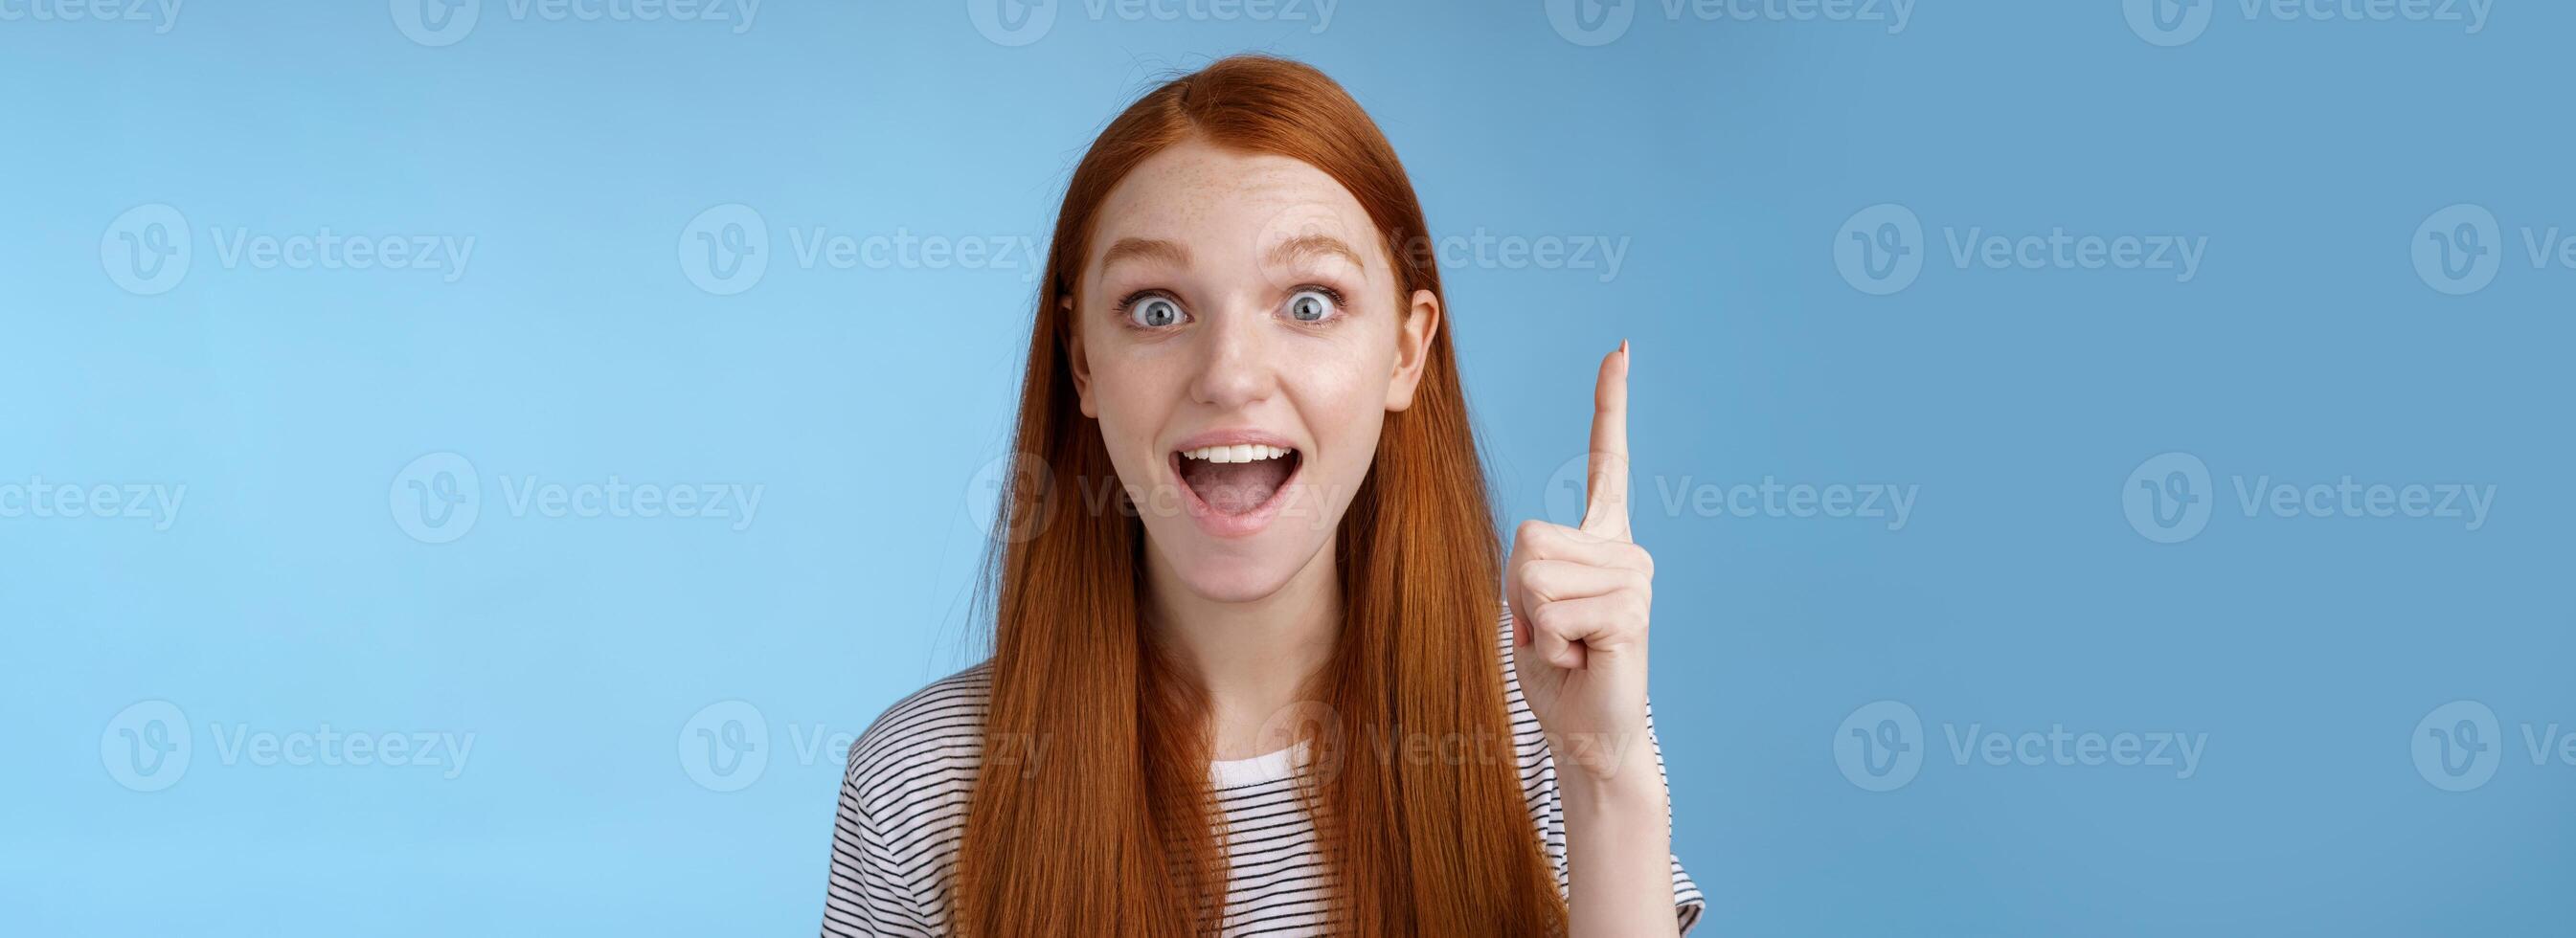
column 903, row 807
column 926, row 743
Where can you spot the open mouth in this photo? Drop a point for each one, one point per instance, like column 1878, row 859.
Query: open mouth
column 1236, row 479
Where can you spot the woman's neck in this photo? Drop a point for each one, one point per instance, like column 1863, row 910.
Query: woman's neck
column 1253, row 657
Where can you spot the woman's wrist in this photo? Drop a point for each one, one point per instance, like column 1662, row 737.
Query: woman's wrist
column 1618, row 831
column 1629, row 777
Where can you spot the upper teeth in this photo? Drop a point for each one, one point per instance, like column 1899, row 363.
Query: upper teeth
column 1241, row 452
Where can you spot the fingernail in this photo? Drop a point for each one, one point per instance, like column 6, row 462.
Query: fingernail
column 1623, row 346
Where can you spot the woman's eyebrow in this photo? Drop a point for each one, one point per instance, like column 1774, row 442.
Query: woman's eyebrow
column 1313, row 245
column 1140, row 249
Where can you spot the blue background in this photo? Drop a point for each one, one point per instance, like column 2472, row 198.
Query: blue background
column 287, row 593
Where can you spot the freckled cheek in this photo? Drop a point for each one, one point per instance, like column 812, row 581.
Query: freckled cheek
column 1342, row 402
column 1135, row 399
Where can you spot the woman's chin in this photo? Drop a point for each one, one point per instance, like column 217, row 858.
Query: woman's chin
column 1235, row 571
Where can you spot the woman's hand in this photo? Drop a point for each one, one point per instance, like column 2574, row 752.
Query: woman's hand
column 1580, row 598
column 1579, row 601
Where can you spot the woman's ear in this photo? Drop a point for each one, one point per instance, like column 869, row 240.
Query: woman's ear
column 1073, row 357
column 1413, row 348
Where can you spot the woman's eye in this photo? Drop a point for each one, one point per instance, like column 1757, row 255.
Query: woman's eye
column 1154, row 312
column 1312, row 306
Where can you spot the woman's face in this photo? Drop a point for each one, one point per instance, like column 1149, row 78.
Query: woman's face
column 1240, row 337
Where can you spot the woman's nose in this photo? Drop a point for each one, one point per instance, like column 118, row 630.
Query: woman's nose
column 1235, row 367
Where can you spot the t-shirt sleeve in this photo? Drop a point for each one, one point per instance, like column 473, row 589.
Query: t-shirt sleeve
column 1688, row 903
column 867, row 895
column 1538, row 783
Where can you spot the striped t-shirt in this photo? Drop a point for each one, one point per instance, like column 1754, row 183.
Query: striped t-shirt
column 903, row 806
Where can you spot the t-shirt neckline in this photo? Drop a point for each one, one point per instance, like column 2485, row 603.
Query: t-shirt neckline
column 1266, row 767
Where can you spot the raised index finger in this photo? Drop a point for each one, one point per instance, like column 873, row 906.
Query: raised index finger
column 1605, row 510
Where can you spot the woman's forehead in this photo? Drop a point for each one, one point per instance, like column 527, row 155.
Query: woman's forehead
column 1227, row 206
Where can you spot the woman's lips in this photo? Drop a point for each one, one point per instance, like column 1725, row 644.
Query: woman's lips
column 1233, row 490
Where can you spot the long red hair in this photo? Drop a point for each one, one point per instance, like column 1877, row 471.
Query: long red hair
column 1111, row 828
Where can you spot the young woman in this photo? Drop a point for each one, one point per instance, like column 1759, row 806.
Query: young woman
column 1250, row 673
